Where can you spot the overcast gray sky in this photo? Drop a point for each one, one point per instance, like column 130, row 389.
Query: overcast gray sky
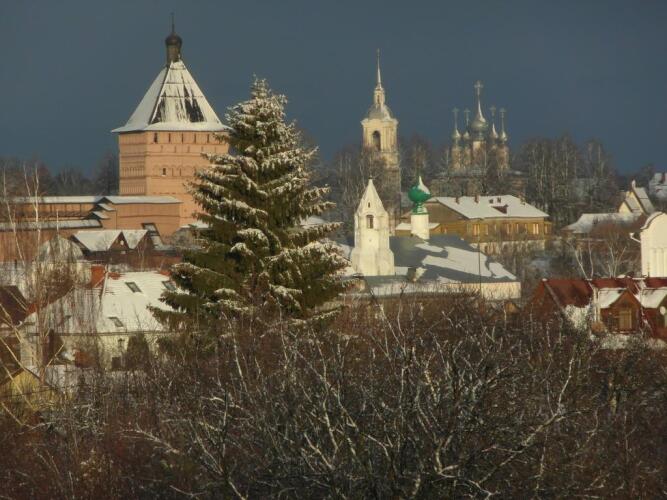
column 74, row 69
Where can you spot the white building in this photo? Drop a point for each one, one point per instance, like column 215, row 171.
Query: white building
column 371, row 255
column 420, row 263
column 653, row 237
column 99, row 319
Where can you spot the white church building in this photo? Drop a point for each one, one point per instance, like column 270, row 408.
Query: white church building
column 653, row 239
column 420, row 263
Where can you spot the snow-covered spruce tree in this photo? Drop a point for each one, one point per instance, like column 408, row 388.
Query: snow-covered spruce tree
column 255, row 255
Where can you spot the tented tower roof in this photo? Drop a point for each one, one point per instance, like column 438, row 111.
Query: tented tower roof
column 173, row 102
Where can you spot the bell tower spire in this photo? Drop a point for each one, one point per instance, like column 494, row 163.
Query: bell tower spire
column 378, row 94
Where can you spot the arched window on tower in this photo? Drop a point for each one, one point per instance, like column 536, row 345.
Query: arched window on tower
column 376, row 141
column 369, row 222
column 155, row 137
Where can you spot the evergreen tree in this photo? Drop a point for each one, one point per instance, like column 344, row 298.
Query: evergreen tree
column 255, row 256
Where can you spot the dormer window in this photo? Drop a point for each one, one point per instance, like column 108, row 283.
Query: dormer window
column 116, row 322
column 133, row 286
column 369, row 222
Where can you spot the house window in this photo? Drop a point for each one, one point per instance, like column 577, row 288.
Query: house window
column 536, row 228
column 369, row 222
column 625, row 319
column 117, row 322
column 475, row 229
column 507, row 228
column 133, row 286
column 486, row 229
column 121, row 345
column 376, row 141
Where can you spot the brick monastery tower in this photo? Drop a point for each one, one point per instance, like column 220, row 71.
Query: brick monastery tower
column 162, row 144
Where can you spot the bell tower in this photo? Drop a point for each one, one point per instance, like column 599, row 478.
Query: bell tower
column 371, row 255
column 380, row 139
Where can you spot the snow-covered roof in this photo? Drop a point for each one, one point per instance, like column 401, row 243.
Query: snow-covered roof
column 652, row 298
column 407, row 226
column 58, row 199
column 443, row 259
column 133, row 237
column 100, row 200
column 124, row 200
column 587, row 222
column 131, row 307
column 97, row 241
column 59, row 249
column 100, row 215
column 489, row 207
column 119, row 305
column 644, row 200
column 174, row 101
column 102, row 240
column 51, row 224
column 608, row 296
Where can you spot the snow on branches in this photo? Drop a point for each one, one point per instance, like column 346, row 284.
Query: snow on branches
column 253, row 202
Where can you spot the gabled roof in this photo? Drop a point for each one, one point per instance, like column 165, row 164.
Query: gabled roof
column 578, row 292
column 97, row 241
column 489, row 207
column 174, row 101
column 111, row 307
column 133, row 237
column 644, row 200
column 589, row 222
column 103, row 240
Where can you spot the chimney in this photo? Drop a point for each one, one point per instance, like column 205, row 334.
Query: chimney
column 477, row 198
column 457, row 200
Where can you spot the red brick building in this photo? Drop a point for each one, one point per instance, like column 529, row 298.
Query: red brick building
column 616, row 305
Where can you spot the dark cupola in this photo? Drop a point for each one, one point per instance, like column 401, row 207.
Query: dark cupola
column 173, row 43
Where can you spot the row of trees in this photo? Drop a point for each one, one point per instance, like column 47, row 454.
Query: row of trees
column 422, row 399
column 21, row 177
